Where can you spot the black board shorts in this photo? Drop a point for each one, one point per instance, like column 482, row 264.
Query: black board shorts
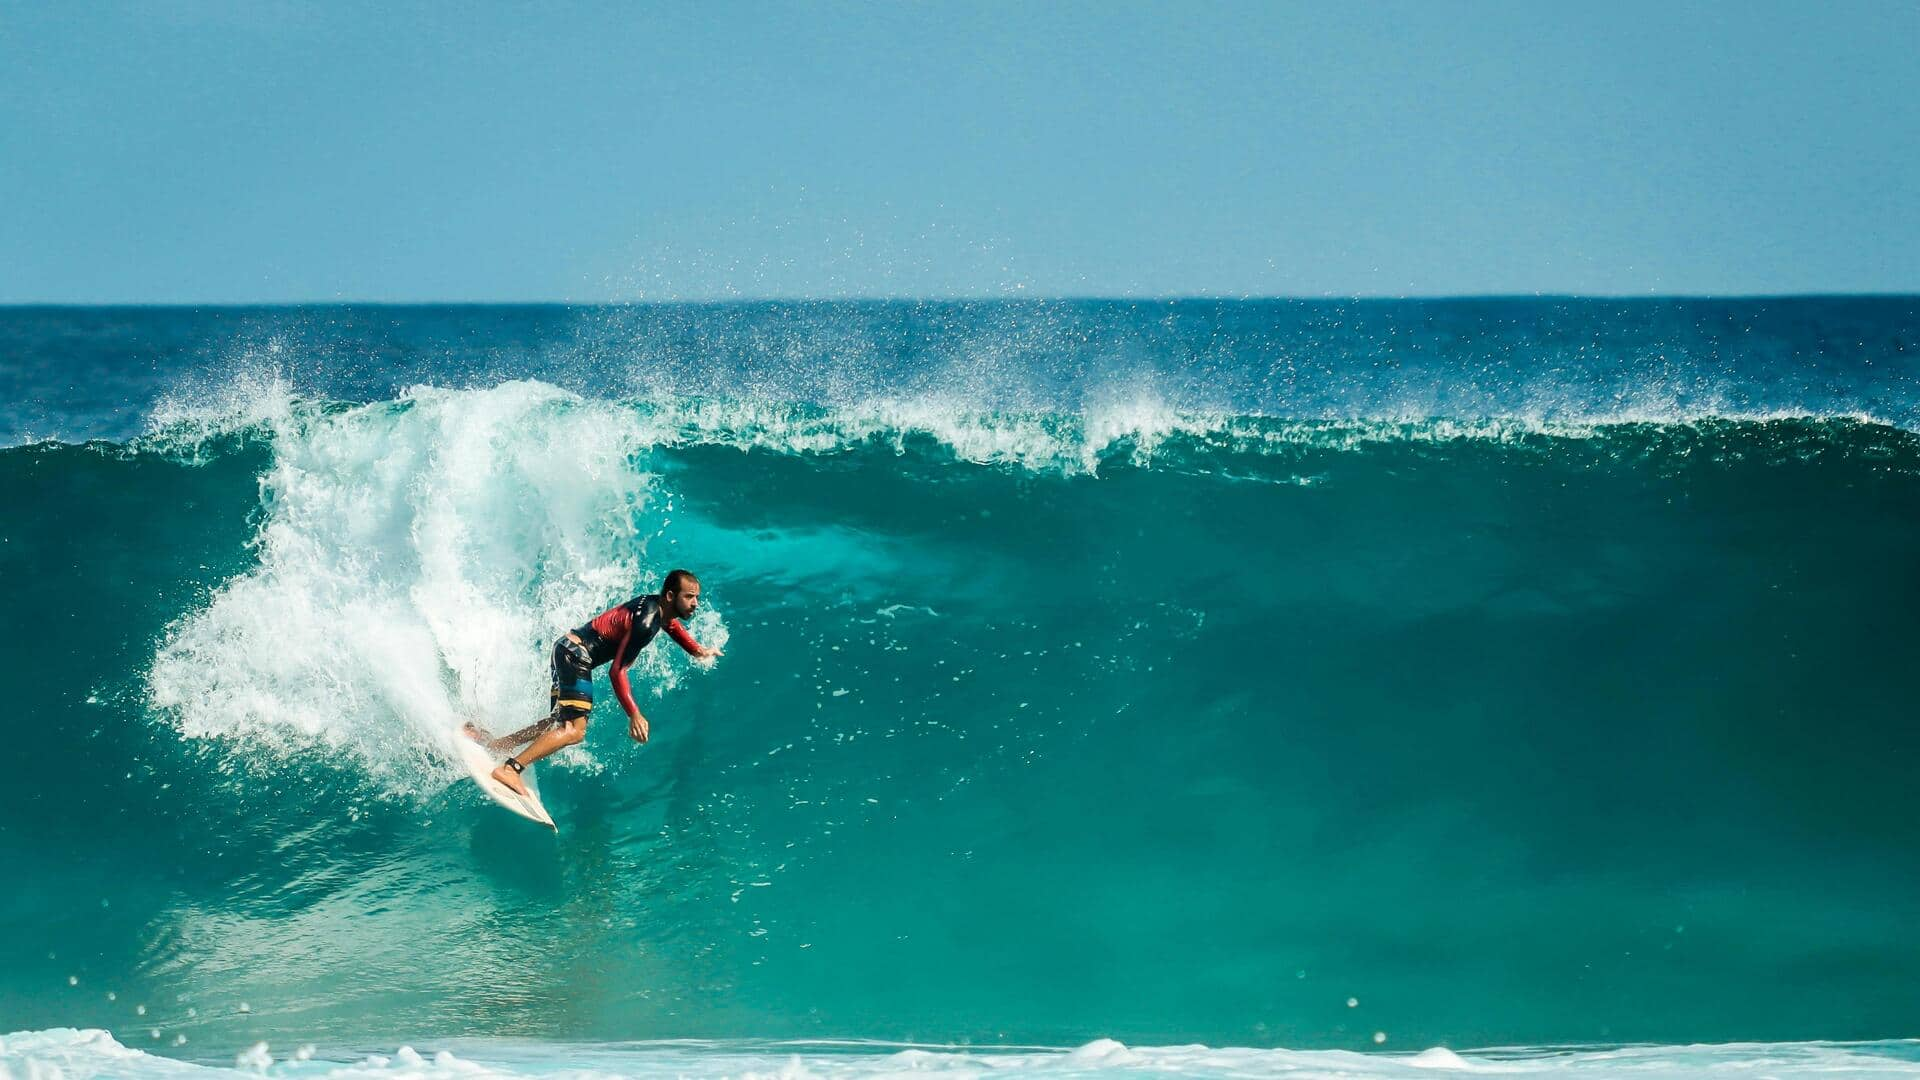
column 572, row 694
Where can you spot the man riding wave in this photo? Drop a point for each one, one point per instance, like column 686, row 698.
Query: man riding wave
column 614, row 636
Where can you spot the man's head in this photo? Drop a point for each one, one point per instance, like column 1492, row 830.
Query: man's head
column 681, row 594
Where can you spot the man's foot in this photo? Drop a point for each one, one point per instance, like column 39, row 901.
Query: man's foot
column 475, row 732
column 511, row 779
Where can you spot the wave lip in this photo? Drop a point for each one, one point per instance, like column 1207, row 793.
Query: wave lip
column 1138, row 432
column 82, row 374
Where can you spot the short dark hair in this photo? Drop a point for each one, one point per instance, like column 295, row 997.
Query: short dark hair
column 677, row 580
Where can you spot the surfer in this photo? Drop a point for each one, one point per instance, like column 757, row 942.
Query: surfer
column 615, row 635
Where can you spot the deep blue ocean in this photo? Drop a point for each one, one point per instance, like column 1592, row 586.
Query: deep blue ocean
column 1197, row 688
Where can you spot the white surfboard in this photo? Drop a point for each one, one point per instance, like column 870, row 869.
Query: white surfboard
column 481, row 762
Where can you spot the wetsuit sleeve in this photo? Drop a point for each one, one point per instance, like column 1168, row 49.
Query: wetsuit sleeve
column 683, row 639
column 617, row 674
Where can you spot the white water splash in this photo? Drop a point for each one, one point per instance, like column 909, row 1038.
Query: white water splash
column 415, row 561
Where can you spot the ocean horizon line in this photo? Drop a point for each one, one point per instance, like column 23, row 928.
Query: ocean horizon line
column 953, row 300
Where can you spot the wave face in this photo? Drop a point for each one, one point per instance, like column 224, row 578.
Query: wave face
column 1074, row 693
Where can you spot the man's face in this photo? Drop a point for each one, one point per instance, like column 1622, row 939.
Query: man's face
column 686, row 600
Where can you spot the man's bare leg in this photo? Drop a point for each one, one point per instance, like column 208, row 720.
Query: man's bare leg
column 526, row 734
column 563, row 734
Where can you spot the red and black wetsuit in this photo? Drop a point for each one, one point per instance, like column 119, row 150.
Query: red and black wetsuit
column 617, row 635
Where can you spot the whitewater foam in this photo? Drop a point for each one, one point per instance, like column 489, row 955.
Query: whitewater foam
column 69, row 1054
column 414, row 560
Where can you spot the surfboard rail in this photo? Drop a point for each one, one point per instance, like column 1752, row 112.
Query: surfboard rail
column 480, row 763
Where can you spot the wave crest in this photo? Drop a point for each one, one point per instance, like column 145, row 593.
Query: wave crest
column 1139, row 432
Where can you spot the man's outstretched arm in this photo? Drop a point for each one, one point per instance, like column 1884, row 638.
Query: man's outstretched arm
column 685, row 640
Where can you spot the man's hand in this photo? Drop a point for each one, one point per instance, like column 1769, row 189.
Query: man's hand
column 707, row 653
column 637, row 727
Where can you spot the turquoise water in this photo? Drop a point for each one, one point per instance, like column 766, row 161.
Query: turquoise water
column 1234, row 676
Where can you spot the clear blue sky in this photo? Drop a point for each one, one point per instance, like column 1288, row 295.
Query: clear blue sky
column 163, row 152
